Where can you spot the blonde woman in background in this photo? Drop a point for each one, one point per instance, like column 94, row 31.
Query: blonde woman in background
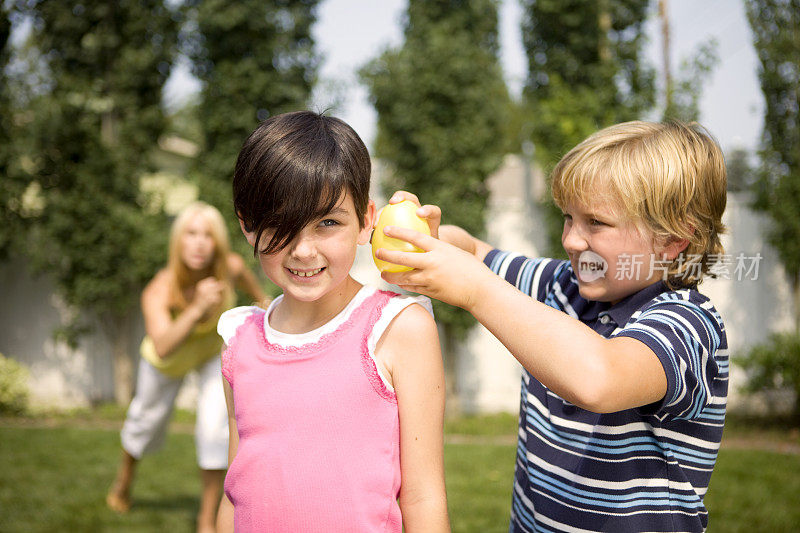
column 181, row 306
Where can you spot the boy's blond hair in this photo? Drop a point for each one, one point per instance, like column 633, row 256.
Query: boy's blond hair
column 669, row 178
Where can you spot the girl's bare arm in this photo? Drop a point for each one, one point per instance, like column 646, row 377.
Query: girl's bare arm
column 410, row 346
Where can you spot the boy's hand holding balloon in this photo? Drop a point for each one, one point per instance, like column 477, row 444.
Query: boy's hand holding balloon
column 422, row 263
column 402, row 214
column 403, row 211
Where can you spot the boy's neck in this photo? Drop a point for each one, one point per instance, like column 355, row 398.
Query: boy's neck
column 295, row 316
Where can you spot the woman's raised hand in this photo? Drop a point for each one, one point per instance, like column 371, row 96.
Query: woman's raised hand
column 208, row 294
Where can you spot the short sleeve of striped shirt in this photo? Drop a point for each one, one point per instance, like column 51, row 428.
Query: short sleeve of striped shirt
column 534, row 277
column 687, row 335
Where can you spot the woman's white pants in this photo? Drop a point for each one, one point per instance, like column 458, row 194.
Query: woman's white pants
column 150, row 411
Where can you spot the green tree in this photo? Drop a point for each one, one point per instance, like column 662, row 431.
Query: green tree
column 5, row 126
column 585, row 71
column 740, row 171
column 683, row 98
column 10, row 188
column 775, row 365
column 776, row 36
column 254, row 59
column 93, row 126
column 442, row 108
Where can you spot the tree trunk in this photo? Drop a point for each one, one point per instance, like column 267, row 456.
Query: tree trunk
column 604, row 22
column 663, row 14
column 109, row 128
column 449, row 345
column 796, row 302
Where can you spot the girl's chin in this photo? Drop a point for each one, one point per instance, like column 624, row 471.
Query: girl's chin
column 313, row 288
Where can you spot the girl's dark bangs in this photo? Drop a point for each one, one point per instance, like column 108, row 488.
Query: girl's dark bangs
column 306, row 200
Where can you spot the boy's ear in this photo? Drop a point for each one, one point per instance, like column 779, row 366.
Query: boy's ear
column 369, row 222
column 673, row 247
column 249, row 235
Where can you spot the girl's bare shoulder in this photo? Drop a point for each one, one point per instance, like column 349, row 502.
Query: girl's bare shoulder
column 413, row 326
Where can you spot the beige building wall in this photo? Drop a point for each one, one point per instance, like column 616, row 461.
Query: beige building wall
column 60, row 375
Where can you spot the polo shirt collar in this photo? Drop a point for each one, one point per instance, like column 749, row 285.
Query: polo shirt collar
column 624, row 309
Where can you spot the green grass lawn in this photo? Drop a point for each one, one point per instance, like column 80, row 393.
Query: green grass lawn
column 754, row 491
column 55, row 479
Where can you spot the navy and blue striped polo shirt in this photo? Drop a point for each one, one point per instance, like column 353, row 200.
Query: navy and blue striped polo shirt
column 643, row 469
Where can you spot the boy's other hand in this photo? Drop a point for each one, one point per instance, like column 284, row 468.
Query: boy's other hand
column 429, row 213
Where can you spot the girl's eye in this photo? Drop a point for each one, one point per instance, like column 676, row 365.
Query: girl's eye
column 328, row 222
column 595, row 222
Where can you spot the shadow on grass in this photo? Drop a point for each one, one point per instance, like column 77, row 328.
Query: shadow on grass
column 781, row 422
column 180, row 502
column 758, row 429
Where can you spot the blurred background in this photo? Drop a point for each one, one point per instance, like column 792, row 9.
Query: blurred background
column 115, row 115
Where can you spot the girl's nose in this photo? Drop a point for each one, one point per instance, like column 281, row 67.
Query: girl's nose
column 303, row 247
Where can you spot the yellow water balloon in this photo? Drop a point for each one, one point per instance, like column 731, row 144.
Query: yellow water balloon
column 401, row 215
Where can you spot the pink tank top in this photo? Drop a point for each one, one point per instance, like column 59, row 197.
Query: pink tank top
column 318, row 431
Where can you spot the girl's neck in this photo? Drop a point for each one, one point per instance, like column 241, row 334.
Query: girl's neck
column 295, row 316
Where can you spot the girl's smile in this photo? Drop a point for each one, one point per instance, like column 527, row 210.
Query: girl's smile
column 305, row 273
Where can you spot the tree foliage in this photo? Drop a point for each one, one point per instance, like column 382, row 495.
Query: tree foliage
column 585, row 68
column 6, row 122
column 442, row 108
column 14, row 391
column 683, row 100
column 585, row 71
column 740, row 171
column 90, row 129
column 12, row 184
column 254, row 59
column 775, row 365
column 776, row 36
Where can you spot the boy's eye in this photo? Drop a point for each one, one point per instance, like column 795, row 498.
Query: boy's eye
column 328, row 222
column 595, row 222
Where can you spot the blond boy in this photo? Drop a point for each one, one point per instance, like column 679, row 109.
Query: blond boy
column 624, row 394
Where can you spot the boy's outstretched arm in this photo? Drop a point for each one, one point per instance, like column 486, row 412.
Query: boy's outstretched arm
column 410, row 346
column 461, row 238
column 568, row 357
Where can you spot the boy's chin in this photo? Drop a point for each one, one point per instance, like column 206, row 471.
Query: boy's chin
column 594, row 291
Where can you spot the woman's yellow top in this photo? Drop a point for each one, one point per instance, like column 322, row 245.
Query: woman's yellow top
column 202, row 344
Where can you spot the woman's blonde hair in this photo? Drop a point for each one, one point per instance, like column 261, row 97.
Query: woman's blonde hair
column 180, row 272
column 670, row 177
